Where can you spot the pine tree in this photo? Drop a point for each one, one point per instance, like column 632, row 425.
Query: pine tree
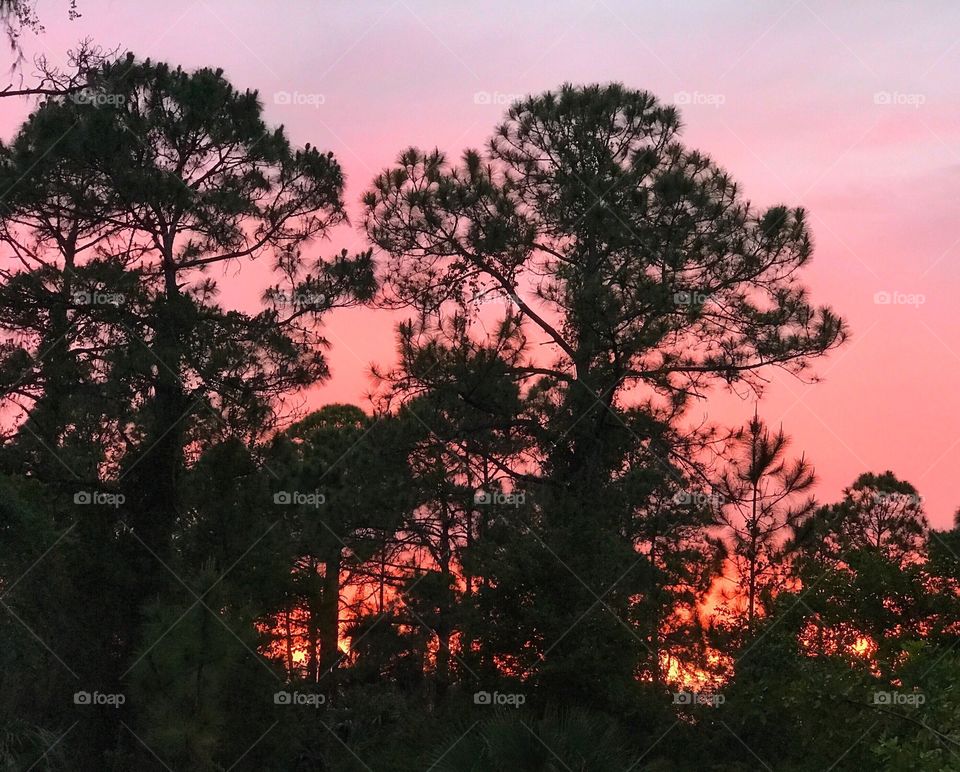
column 765, row 497
column 632, row 273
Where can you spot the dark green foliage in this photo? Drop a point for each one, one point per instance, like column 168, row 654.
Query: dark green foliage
column 644, row 277
column 765, row 496
column 575, row 740
column 503, row 566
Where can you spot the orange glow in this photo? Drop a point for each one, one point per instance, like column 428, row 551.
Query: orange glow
column 863, row 647
column 678, row 673
column 817, row 640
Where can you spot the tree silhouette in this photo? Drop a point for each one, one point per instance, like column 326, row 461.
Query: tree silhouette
column 512, row 560
column 640, row 270
column 352, row 471
column 879, row 513
column 765, row 497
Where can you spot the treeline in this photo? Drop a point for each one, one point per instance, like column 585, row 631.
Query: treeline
column 523, row 555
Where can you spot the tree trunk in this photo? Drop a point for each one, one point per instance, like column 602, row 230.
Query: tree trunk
column 154, row 482
column 329, row 622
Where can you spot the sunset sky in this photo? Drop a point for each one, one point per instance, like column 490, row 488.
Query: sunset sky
column 851, row 110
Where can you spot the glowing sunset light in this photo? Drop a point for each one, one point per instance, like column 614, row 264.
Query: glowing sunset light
column 769, row 131
column 516, row 386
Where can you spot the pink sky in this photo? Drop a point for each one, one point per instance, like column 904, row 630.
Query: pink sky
column 850, row 110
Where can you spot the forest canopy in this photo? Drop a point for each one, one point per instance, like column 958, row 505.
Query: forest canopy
column 524, row 553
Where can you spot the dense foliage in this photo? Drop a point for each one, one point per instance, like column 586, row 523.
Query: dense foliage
column 524, row 555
